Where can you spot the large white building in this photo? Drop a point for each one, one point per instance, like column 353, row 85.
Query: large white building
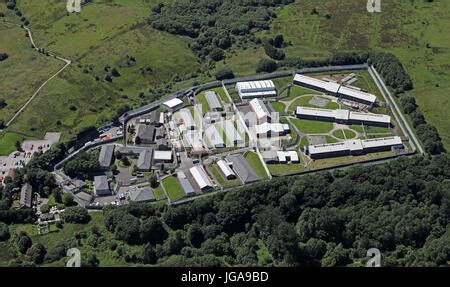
column 232, row 134
column 173, row 104
column 194, row 140
column 256, row 89
column 262, row 114
column 213, row 101
column 343, row 116
column 226, row 169
column 354, row 147
column 334, row 89
column 267, row 130
column 188, row 120
column 201, row 178
column 213, row 137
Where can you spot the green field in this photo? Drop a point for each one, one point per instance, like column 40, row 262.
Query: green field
column 344, row 134
column 296, row 91
column 285, row 169
column 255, row 162
column 412, row 30
column 331, row 139
column 201, row 100
column 311, row 126
column 8, row 142
column 173, row 188
column 279, row 107
column 159, row 193
column 305, row 102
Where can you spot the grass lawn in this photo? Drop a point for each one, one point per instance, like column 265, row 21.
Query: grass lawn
column 255, row 162
column 296, row 91
column 331, row 139
column 304, row 141
column 304, row 102
column 278, row 107
column 159, row 193
column 221, row 93
column 213, row 169
column 377, row 130
column 358, row 128
column 344, row 134
column 201, row 100
column 8, row 142
column 173, row 188
column 285, row 169
column 312, row 127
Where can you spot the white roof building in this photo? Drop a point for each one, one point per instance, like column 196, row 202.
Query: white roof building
column 276, row 128
column 343, row 115
column 231, row 133
column 256, row 89
column 194, row 140
column 213, row 101
column 285, row 156
column 187, row 118
column 173, row 103
column 225, row 169
column 355, row 146
column 162, row 155
column 260, row 109
column 200, row 177
column 334, row 89
column 214, row 137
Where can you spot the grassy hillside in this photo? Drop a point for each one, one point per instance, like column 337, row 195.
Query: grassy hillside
column 413, row 30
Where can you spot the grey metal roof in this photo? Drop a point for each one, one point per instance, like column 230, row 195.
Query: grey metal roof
column 242, row 168
column 269, row 155
column 187, row 186
column 160, row 133
column 154, row 117
column 101, row 182
column 144, row 161
column 86, row 197
column 106, row 155
column 26, row 196
column 146, row 132
column 213, row 100
column 141, row 194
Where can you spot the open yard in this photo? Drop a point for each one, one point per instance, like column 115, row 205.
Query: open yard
column 213, row 169
column 344, row 134
column 255, row 162
column 308, row 101
column 285, row 169
column 311, row 126
column 8, row 142
column 173, row 188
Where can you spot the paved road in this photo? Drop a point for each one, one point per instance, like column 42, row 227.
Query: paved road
column 67, row 63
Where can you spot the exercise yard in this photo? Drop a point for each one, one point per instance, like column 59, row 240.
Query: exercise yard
column 173, row 188
column 311, row 126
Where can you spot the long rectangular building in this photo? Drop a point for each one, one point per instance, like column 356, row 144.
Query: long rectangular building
column 261, row 112
column 213, row 101
column 343, row 116
column 232, row 134
column 226, row 169
column 256, row 89
column 187, row 118
column 213, row 137
column 334, row 89
column 201, row 178
column 354, row 147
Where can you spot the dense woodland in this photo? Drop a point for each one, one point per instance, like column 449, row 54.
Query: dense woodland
column 215, row 25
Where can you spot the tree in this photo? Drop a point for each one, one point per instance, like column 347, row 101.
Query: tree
column 18, row 145
column 195, row 235
column 137, row 140
column 68, row 199
column 152, row 231
column 153, row 179
column 4, row 231
column 217, row 54
column 76, row 214
column 57, row 195
column 23, row 242
column 224, row 74
column 45, row 208
column 266, row 65
column 128, row 229
column 2, row 102
column 3, row 56
column 149, row 255
column 37, row 253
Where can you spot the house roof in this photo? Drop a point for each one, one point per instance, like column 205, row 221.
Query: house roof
column 101, row 182
column 144, row 161
column 141, row 194
column 173, row 103
column 225, row 168
column 200, row 177
column 146, row 132
column 242, row 168
column 187, row 186
column 213, row 100
column 86, row 197
column 106, row 155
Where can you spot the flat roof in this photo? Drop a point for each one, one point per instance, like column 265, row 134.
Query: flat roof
column 231, row 132
column 173, row 103
column 185, row 183
column 354, row 145
column 370, row 117
column 340, row 114
column 283, row 155
column 162, row 154
column 194, row 139
column 188, row 120
column 200, row 176
column 101, row 182
column 270, row 127
column 349, row 92
column 213, row 136
column 255, row 85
